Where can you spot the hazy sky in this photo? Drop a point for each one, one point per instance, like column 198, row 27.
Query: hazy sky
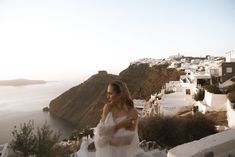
column 54, row 39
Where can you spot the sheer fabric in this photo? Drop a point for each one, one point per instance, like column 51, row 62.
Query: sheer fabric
column 83, row 152
column 123, row 143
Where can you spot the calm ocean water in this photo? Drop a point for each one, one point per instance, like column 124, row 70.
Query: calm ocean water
column 21, row 104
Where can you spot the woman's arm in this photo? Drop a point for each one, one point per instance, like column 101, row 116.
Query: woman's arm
column 123, row 124
column 106, row 110
column 133, row 115
column 131, row 125
column 104, row 131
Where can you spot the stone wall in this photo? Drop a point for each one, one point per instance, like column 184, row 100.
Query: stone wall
column 216, row 102
column 217, row 145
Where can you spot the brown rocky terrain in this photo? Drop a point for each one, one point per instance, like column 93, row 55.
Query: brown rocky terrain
column 82, row 105
column 220, row 118
column 143, row 80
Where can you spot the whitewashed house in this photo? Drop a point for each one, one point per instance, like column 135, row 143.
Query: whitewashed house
column 178, row 101
column 215, row 102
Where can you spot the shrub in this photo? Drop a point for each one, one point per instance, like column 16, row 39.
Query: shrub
column 163, row 130
column 76, row 135
column 85, row 132
column 231, row 88
column 169, row 132
column 199, row 96
column 45, row 140
column 213, row 89
column 231, row 96
column 168, row 91
column 198, row 126
column 26, row 143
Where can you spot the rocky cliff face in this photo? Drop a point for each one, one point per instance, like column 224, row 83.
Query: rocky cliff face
column 143, row 80
column 82, row 105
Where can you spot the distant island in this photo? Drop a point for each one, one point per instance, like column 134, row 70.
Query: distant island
column 20, row 82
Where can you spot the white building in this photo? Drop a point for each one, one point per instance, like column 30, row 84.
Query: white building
column 176, row 102
column 230, row 56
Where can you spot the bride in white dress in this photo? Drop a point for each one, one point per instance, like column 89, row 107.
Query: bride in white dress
column 116, row 134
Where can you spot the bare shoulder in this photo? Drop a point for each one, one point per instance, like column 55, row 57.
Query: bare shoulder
column 133, row 113
column 106, row 110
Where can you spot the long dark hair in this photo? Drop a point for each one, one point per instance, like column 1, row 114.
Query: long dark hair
column 121, row 89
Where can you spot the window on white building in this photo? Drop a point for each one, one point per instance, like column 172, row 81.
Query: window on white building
column 229, row 70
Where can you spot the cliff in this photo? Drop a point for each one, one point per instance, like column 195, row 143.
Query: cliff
column 143, row 80
column 82, row 105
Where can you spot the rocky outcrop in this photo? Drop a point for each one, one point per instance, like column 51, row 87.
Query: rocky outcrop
column 82, row 105
column 143, row 80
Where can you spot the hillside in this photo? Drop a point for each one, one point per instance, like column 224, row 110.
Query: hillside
column 143, row 80
column 82, row 105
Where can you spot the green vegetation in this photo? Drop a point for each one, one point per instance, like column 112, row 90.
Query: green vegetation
column 26, row 142
column 85, row 132
column 169, row 132
column 231, row 88
column 231, row 96
column 199, row 96
column 213, row 89
column 63, row 150
column 169, row 91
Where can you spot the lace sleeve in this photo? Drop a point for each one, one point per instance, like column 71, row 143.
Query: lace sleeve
column 103, row 134
column 104, row 129
column 123, row 140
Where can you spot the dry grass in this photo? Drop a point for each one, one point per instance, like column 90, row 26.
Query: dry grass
column 231, row 96
column 220, row 118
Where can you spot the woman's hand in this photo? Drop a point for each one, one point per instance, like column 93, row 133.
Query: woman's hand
column 126, row 123
column 130, row 122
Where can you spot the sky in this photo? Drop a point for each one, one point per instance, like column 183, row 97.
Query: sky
column 73, row 39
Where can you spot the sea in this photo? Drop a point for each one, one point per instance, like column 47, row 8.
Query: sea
column 21, row 104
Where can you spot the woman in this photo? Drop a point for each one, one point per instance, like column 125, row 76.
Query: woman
column 116, row 134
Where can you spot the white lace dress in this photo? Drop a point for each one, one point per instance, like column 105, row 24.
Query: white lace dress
column 83, row 152
column 104, row 133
